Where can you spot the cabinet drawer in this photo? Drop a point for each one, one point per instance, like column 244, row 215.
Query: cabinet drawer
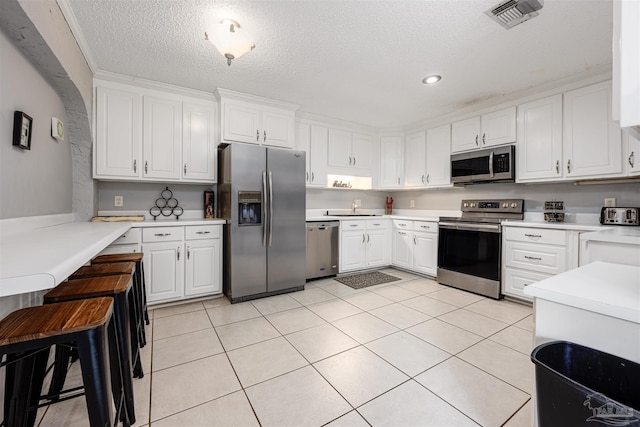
column 353, row 225
column 121, row 249
column 377, row 224
column 427, row 227
column 536, row 235
column 131, row 237
column 196, row 232
column 402, row 224
column 542, row 258
column 515, row 281
column 162, row 234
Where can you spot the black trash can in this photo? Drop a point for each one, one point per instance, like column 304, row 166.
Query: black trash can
column 580, row 386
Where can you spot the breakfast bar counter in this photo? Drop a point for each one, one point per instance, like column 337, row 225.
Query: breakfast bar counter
column 40, row 258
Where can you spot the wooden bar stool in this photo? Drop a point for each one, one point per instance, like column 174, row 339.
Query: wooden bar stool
column 26, row 336
column 116, row 269
column 118, row 288
column 130, row 257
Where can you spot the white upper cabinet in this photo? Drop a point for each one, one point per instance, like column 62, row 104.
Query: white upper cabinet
column 255, row 120
column 340, row 148
column 632, row 152
column 415, row 148
column 143, row 134
column 162, row 135
column 118, row 121
column 350, row 150
column 438, row 171
column 312, row 139
column 495, row 128
column 592, row 140
column 390, row 161
column 539, row 150
column 465, row 135
column 626, row 63
column 199, row 151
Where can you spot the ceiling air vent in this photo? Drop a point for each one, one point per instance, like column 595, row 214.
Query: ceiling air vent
column 513, row 12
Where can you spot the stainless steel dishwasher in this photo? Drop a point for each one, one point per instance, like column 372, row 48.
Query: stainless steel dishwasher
column 322, row 249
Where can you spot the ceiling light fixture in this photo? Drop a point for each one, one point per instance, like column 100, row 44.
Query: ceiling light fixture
column 429, row 80
column 230, row 40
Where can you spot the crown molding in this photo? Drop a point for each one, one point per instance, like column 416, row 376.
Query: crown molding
column 68, row 14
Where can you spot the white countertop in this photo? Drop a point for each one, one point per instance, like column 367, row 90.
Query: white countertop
column 616, row 234
column 357, row 217
column 601, row 287
column 40, row 258
column 175, row 223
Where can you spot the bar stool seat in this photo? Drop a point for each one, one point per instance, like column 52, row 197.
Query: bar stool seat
column 137, row 259
column 26, row 336
column 119, row 288
column 115, row 269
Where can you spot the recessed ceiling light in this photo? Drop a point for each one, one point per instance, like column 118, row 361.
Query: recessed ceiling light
column 429, row 80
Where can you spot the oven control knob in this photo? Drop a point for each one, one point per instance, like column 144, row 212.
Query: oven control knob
column 465, row 205
column 514, row 205
column 473, row 204
column 505, row 205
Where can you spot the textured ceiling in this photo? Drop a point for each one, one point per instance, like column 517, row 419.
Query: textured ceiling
column 360, row 61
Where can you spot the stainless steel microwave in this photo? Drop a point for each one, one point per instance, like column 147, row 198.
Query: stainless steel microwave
column 490, row 165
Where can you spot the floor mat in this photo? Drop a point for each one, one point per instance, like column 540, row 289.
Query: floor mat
column 362, row 280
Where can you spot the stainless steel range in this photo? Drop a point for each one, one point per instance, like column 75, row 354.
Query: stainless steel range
column 470, row 247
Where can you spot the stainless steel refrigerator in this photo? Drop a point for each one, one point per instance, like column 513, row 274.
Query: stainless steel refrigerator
column 262, row 197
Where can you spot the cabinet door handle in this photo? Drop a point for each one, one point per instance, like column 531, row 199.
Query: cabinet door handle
column 203, row 232
column 257, row 135
column 532, row 258
column 265, row 136
column 557, row 166
column 427, row 178
column 135, row 166
column 402, row 233
column 162, row 234
column 631, row 162
column 349, row 160
column 423, row 179
column 535, row 236
column 353, row 225
column 425, row 227
column 476, row 139
column 307, row 176
column 188, row 252
column 363, row 237
column 398, row 180
column 354, row 160
column 569, row 166
column 414, row 240
column 185, row 168
column 313, row 177
column 402, row 225
column 178, row 253
column 146, row 166
column 376, row 225
column 483, row 139
column 368, row 237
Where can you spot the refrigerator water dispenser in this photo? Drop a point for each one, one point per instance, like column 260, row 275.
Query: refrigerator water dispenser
column 249, row 208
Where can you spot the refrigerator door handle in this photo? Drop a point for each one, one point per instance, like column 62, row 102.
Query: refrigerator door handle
column 270, row 208
column 264, row 216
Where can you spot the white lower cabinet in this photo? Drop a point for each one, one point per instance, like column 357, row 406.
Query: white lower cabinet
column 364, row 244
column 533, row 254
column 415, row 246
column 179, row 261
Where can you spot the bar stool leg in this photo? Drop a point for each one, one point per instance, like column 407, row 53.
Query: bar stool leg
column 60, row 368
column 116, row 378
column 93, row 351
column 122, row 326
column 140, row 270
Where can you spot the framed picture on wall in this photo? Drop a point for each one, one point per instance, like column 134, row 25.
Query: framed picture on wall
column 22, row 127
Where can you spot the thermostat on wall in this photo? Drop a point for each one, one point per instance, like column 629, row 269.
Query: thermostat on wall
column 57, row 129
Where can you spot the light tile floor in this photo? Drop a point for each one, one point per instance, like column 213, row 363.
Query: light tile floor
column 407, row 353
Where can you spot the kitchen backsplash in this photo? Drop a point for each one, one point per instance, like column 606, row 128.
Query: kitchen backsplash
column 142, row 195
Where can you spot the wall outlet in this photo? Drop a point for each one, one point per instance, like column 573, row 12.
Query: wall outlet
column 357, row 203
column 610, row 202
column 412, row 204
column 118, row 201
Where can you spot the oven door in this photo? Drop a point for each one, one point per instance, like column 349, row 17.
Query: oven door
column 470, row 248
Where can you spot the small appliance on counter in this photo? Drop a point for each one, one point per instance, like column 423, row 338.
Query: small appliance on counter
column 620, row 216
column 554, row 211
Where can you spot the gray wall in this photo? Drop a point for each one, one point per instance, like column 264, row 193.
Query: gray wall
column 37, row 181
column 142, row 196
column 577, row 198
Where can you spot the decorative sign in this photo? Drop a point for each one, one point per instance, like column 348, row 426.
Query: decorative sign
column 57, row 129
column 22, row 127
